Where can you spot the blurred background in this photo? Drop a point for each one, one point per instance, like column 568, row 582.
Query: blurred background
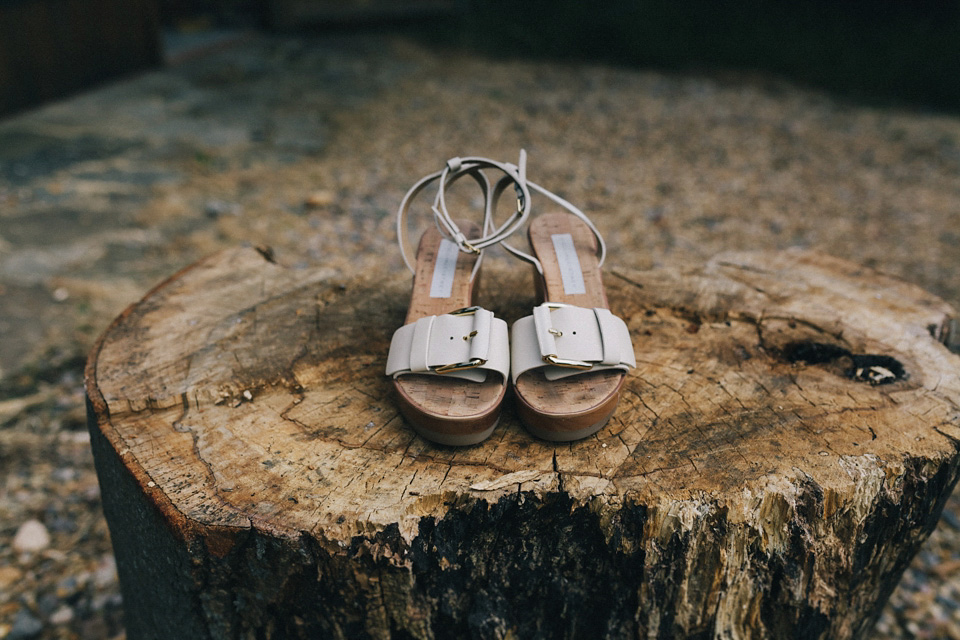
column 902, row 51
column 138, row 136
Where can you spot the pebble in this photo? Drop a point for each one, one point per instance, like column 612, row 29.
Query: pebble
column 68, row 587
column 320, row 199
column 8, row 577
column 59, row 522
column 105, row 600
column 63, row 615
column 217, row 208
column 65, row 474
column 47, row 604
column 25, row 626
column 106, row 572
column 31, row 536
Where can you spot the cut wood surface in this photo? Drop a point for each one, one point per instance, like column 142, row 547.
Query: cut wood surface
column 785, row 444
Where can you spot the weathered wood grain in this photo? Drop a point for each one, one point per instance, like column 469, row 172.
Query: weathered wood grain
column 764, row 476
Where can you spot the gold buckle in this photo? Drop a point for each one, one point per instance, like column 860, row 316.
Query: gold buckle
column 552, row 357
column 459, row 366
column 521, row 201
column 569, row 364
column 473, row 363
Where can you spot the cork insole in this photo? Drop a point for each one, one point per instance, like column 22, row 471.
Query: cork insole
column 437, row 398
column 589, row 394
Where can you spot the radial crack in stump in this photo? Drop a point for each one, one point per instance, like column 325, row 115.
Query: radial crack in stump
column 785, row 444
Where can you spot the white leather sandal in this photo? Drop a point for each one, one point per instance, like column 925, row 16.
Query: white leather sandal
column 450, row 360
column 569, row 358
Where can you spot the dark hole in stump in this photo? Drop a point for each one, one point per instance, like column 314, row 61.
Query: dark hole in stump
column 873, row 369
column 876, row 369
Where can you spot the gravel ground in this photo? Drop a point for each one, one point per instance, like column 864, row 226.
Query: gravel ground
column 307, row 145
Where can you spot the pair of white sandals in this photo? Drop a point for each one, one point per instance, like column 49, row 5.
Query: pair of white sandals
column 452, row 361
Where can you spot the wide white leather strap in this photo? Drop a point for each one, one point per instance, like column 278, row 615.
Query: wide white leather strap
column 566, row 340
column 465, row 344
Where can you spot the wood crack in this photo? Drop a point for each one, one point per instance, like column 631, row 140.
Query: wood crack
column 213, row 489
column 556, row 470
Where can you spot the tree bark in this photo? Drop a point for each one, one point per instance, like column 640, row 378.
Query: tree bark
column 785, row 445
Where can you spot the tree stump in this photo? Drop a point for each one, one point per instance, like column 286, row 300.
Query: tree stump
column 785, row 445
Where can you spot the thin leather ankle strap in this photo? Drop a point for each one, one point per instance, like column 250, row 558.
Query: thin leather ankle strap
column 601, row 245
column 472, row 166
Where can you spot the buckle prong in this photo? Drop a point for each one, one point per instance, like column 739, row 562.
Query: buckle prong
column 473, row 363
column 569, row 364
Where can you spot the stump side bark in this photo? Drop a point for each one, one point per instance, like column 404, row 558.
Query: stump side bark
column 786, row 443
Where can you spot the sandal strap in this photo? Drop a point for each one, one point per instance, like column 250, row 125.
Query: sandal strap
column 601, row 245
column 514, row 175
column 566, row 340
column 463, row 344
column 472, row 166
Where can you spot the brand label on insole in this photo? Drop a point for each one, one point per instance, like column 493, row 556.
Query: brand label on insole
column 444, row 270
column 569, row 264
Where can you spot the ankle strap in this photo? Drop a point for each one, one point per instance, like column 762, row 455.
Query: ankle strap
column 515, row 175
column 601, row 245
column 472, row 166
